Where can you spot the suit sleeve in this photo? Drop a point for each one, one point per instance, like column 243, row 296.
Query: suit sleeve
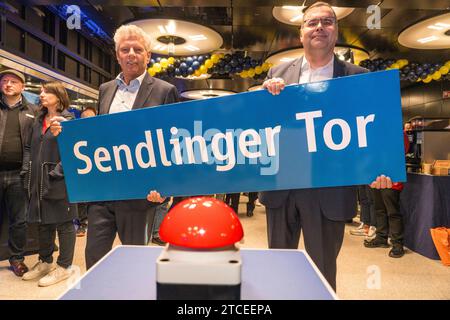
column 172, row 96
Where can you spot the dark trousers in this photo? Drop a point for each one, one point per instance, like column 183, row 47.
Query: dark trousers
column 323, row 237
column 389, row 218
column 82, row 214
column 252, row 196
column 133, row 225
column 368, row 215
column 232, row 199
column 14, row 199
column 66, row 237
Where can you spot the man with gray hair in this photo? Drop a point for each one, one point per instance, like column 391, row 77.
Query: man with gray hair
column 132, row 89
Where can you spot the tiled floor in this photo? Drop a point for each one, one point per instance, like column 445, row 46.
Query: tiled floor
column 362, row 273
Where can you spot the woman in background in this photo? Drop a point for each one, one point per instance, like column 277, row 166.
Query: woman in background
column 49, row 205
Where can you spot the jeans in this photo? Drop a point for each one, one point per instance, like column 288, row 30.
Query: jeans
column 66, row 236
column 14, row 198
column 160, row 213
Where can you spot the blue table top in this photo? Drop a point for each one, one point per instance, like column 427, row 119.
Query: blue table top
column 128, row 272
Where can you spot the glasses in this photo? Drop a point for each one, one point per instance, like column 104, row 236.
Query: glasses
column 325, row 22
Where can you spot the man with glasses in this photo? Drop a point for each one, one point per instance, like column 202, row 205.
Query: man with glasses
column 321, row 213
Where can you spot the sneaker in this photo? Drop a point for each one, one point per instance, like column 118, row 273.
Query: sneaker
column 397, row 251
column 57, row 275
column 376, row 243
column 158, row 241
column 40, row 269
column 372, row 233
column 360, row 230
column 81, row 231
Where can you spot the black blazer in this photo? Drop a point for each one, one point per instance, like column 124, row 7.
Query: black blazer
column 337, row 203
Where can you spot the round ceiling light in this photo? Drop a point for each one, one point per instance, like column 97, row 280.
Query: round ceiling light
column 432, row 33
column 344, row 53
column 293, row 15
column 205, row 93
column 180, row 38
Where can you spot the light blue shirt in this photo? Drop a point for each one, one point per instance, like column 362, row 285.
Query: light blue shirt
column 125, row 94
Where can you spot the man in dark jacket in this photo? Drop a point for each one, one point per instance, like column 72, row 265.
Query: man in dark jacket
column 16, row 119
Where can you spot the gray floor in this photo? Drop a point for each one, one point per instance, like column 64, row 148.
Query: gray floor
column 362, row 273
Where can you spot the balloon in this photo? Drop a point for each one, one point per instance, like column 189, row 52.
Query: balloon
column 158, row 59
column 444, row 70
column 203, row 69
column 215, row 58
column 176, row 63
column 177, row 72
column 436, row 76
column 201, row 59
column 258, row 70
column 427, row 79
column 190, row 70
column 195, row 65
column 197, row 73
column 183, row 66
column 244, row 74
column 265, row 66
column 151, row 72
column 238, row 69
column 251, row 72
column 164, row 63
column 189, row 61
column 171, row 60
column 157, row 67
column 208, row 63
column 447, row 64
column 152, row 62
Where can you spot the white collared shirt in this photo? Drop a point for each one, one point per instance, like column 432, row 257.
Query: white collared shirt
column 310, row 75
column 126, row 94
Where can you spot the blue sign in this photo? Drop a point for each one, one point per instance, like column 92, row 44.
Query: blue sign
column 343, row 131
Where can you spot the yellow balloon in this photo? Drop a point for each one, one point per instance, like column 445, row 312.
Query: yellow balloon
column 171, row 60
column 203, row 69
column 251, row 72
column 164, row 63
column 447, row 64
column 394, row 66
column 151, row 72
column 436, row 76
column 265, row 66
column 208, row 63
column 215, row 58
column 258, row 70
column 427, row 79
column 197, row 73
column 157, row 67
column 244, row 74
column 444, row 70
column 221, row 55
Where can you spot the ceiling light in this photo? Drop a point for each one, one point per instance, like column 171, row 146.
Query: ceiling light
column 428, row 39
column 181, row 38
column 431, row 33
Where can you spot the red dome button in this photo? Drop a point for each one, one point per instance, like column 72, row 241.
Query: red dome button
column 202, row 223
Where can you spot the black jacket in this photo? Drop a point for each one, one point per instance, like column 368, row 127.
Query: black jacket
column 45, row 178
column 27, row 114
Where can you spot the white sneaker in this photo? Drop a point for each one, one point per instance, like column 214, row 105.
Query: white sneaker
column 57, row 275
column 359, row 230
column 40, row 269
column 372, row 233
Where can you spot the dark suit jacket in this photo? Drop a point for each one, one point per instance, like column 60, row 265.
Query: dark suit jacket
column 152, row 92
column 337, row 203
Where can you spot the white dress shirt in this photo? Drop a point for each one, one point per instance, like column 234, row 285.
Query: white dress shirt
column 125, row 94
column 310, row 75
